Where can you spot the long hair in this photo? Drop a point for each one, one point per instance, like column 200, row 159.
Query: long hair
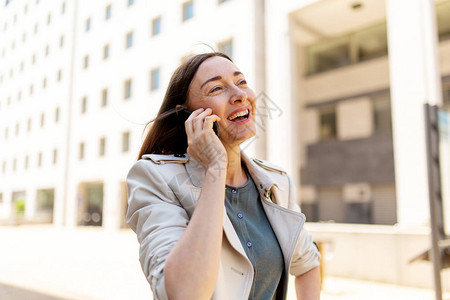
column 167, row 135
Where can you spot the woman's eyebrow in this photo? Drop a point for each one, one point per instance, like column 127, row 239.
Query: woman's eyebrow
column 236, row 73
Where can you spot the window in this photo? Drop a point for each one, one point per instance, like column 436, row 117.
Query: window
column 129, row 41
column 24, row 37
column 55, row 156
column 63, row 8
column 227, row 48
column 25, row 9
column 327, row 123
column 42, row 120
column 6, row 133
column 40, row 159
column 328, row 55
column 156, row 26
column 125, row 141
column 44, row 82
column 88, row 24
column 4, row 167
column 127, row 89
column 108, row 12
column 188, row 10
column 101, row 150
column 106, row 51
column 17, row 129
column 22, row 64
column 57, row 115
column 47, row 50
column 443, row 19
column 130, row 2
column 336, row 52
column 19, row 95
column 446, row 94
column 49, row 18
column 36, row 28
column 81, row 151
column 371, row 43
column 382, row 114
column 29, row 125
column 154, row 79
column 31, row 89
column 104, row 97
column 86, row 62
column 14, row 164
column 59, row 75
column 61, row 41
column 83, row 105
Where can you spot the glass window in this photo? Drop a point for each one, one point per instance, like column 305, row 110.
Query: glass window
column 81, row 151
column 102, row 144
column 327, row 123
column 88, row 24
column 49, row 18
column 129, row 40
column 328, row 55
column 125, row 141
column 44, row 82
column 156, row 26
column 86, row 62
column 4, row 167
column 104, row 97
column 55, row 156
column 108, row 12
column 84, row 105
column 17, row 129
column 29, row 124
column 36, row 28
column 227, row 47
column 57, row 115
column 222, row 1
column 106, row 51
column 154, row 79
column 42, row 120
column 443, row 19
column 59, row 76
column 130, row 2
column 40, row 159
column 446, row 95
column 382, row 114
column 31, row 89
column 188, row 10
column 371, row 43
column 61, row 41
column 127, row 89
column 63, row 8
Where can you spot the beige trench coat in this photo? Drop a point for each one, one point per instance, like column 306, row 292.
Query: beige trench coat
column 162, row 194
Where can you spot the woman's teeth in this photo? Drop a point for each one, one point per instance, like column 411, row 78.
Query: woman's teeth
column 238, row 114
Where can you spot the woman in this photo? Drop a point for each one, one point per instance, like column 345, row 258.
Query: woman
column 212, row 223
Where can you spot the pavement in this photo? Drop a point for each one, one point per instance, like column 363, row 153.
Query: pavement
column 41, row 262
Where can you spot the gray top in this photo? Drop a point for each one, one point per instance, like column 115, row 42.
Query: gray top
column 244, row 208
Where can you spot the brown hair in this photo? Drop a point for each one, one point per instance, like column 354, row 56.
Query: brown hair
column 167, row 134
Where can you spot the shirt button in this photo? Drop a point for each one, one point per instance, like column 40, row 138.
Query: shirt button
column 239, row 215
column 249, row 244
column 234, row 191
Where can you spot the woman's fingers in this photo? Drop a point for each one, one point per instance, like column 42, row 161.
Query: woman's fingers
column 189, row 122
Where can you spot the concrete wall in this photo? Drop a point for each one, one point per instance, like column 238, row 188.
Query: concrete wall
column 376, row 252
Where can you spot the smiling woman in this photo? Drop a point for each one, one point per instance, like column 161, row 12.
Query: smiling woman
column 211, row 222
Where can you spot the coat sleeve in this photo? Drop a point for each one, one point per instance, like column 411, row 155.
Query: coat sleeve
column 306, row 255
column 158, row 219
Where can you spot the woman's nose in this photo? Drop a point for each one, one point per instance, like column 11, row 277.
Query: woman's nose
column 238, row 95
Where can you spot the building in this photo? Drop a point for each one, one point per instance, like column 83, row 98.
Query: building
column 80, row 79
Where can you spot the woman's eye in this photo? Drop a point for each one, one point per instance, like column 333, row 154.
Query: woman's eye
column 242, row 82
column 215, row 89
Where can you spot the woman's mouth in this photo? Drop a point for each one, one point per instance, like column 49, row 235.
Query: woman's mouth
column 240, row 116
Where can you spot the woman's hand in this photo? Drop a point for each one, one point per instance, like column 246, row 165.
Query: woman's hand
column 203, row 144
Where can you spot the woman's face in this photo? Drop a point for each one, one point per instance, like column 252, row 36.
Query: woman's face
column 219, row 85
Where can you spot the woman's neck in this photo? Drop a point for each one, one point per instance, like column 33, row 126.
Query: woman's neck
column 236, row 175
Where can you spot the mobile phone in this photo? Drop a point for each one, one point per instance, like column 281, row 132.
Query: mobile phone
column 185, row 113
